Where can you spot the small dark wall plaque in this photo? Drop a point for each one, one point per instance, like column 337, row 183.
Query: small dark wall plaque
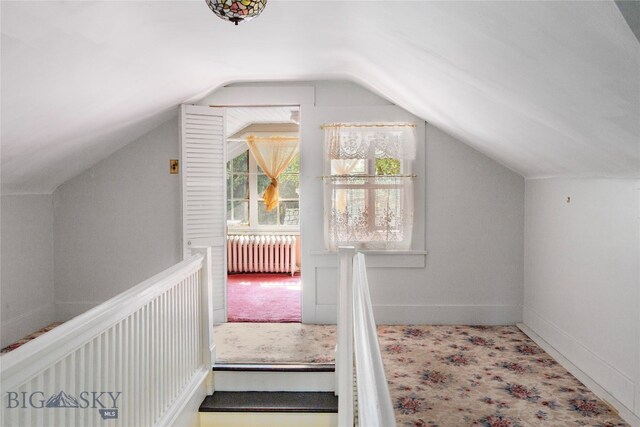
column 174, row 166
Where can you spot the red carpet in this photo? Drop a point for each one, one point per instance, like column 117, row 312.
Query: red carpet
column 263, row 298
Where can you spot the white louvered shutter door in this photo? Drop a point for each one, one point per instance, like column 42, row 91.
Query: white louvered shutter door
column 202, row 149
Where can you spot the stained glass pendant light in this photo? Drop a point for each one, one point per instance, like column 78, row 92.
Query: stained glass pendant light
column 237, row 10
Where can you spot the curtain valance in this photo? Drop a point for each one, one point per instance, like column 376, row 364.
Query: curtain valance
column 370, row 140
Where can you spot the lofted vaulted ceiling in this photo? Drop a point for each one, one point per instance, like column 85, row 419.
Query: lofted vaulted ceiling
column 243, row 118
column 546, row 88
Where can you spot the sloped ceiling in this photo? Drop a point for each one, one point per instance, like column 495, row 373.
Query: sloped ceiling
column 546, row 88
column 239, row 118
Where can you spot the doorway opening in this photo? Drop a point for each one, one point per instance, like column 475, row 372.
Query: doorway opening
column 264, row 282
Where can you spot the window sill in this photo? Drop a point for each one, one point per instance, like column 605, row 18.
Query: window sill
column 377, row 258
column 293, row 231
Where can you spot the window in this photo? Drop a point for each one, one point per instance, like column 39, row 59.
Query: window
column 288, row 209
column 246, row 182
column 369, row 186
column 238, row 189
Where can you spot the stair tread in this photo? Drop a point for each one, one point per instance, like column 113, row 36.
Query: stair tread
column 275, row 367
column 273, row 401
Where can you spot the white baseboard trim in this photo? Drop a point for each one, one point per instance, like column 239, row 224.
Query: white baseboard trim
column 26, row 323
column 626, row 413
column 434, row 314
column 66, row 310
column 183, row 412
column 602, row 372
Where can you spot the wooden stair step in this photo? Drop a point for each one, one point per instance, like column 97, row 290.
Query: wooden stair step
column 305, row 402
column 281, row 367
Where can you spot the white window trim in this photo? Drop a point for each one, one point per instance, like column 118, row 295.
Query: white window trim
column 360, row 227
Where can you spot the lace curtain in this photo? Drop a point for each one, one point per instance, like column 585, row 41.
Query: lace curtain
column 273, row 155
column 370, row 140
column 368, row 187
column 343, row 167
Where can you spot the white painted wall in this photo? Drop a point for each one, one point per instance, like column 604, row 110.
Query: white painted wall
column 117, row 223
column 469, row 217
column 26, row 290
column 582, row 277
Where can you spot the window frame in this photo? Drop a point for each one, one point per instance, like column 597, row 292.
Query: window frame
column 370, row 189
column 231, row 197
column 370, row 198
column 254, row 200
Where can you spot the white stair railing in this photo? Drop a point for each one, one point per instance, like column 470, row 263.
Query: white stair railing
column 344, row 350
column 358, row 349
column 135, row 360
column 374, row 401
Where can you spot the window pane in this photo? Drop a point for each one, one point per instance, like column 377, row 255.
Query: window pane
column 240, row 187
column 348, row 167
column 388, row 209
column 241, row 212
column 263, row 182
column 287, row 185
column 289, row 213
column 387, row 166
column 241, row 163
column 294, row 166
column 350, row 200
column 264, row 217
column 229, row 180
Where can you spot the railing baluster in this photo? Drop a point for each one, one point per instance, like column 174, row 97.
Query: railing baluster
column 61, row 381
column 178, row 336
column 27, row 421
column 163, row 350
column 155, row 358
column 128, row 407
column 133, row 369
column 192, row 326
column 89, row 381
column 38, row 384
column 181, row 333
column 174, row 345
column 70, row 384
column 119, row 375
column 142, row 365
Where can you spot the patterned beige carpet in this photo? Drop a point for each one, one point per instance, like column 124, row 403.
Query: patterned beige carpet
column 482, row 376
column 447, row 376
